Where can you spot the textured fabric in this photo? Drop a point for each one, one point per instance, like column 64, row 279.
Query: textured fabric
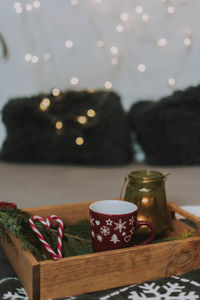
column 168, row 130
column 74, row 127
column 10, row 286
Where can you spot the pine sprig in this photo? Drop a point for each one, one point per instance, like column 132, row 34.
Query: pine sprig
column 74, row 240
column 181, row 237
column 16, row 221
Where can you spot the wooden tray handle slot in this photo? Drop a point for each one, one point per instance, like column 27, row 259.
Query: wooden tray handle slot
column 176, row 209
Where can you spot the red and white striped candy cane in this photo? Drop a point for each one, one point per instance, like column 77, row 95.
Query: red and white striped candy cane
column 47, row 224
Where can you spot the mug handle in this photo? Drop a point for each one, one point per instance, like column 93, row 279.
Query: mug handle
column 153, row 232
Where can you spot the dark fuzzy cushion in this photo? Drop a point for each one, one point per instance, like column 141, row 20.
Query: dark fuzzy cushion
column 169, row 130
column 33, row 137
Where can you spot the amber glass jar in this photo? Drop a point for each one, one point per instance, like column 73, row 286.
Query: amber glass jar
column 146, row 189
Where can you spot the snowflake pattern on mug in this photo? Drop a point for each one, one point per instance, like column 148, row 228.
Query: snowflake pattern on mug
column 109, row 222
column 132, row 220
column 105, row 230
column 120, row 226
column 99, row 238
column 124, row 229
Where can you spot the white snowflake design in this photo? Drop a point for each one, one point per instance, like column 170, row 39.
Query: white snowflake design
column 92, row 233
column 172, row 291
column 99, row 238
column 105, row 230
column 124, row 233
column 109, row 222
column 92, row 221
column 114, row 239
column 19, row 294
column 120, row 226
column 132, row 220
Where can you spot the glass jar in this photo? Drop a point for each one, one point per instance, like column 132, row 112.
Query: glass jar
column 146, row 189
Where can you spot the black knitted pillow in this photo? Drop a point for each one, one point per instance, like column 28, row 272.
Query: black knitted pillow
column 74, row 127
column 169, row 130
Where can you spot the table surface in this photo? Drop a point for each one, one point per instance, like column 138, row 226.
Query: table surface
column 184, row 287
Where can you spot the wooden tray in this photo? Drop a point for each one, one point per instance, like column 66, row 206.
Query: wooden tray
column 99, row 271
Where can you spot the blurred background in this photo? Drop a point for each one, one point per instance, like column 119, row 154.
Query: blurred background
column 140, row 49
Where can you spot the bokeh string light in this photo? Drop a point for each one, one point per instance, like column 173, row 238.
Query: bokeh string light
column 82, row 119
column 44, row 104
column 124, row 16
column 100, row 43
column 74, row 81
column 87, row 119
column 120, row 28
column 59, row 125
column 55, row 92
column 36, row 4
column 171, row 81
column 162, row 42
column 91, row 113
column 79, row 140
column 141, row 68
column 171, row 10
column 28, row 7
column 128, row 18
column 69, row 44
column 74, row 2
column 108, row 85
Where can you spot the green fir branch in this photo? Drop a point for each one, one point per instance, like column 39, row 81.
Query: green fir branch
column 74, row 240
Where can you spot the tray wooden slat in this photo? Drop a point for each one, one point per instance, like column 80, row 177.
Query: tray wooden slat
column 128, row 266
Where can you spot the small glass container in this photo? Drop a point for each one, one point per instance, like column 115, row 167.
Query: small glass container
column 146, row 189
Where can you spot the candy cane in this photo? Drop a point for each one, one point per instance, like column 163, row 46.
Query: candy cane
column 47, row 224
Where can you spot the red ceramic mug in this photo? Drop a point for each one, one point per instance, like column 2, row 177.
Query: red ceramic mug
column 113, row 224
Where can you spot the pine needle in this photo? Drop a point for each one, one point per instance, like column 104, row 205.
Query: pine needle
column 74, row 240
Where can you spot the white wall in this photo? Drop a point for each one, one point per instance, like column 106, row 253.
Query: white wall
column 45, row 30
